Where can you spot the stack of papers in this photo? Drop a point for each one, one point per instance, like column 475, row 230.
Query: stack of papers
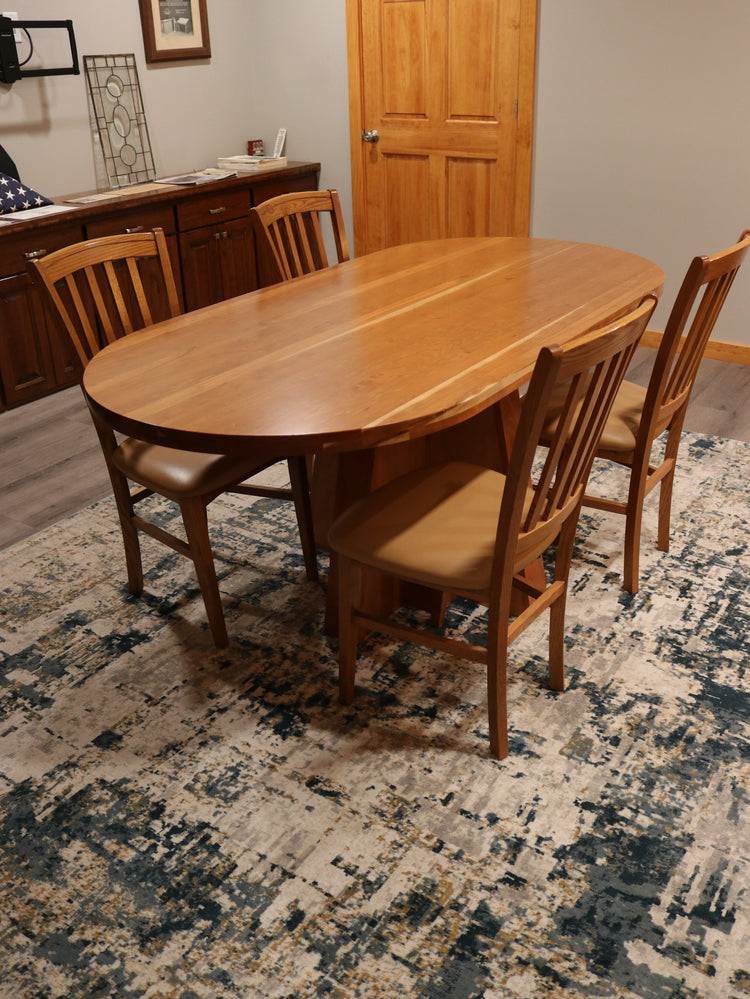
column 33, row 213
column 251, row 164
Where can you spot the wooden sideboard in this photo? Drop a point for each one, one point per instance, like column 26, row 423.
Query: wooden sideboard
column 211, row 244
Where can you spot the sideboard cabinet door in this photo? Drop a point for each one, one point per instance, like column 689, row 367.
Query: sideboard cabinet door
column 26, row 369
column 36, row 356
column 217, row 251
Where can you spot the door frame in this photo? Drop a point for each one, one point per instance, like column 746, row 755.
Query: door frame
column 524, row 118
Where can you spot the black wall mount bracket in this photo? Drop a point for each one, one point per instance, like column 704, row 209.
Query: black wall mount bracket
column 11, row 70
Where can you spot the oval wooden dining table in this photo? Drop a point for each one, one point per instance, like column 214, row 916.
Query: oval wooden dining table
column 405, row 355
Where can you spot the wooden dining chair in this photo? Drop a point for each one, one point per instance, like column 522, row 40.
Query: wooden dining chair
column 289, row 226
column 106, row 288
column 471, row 531
column 640, row 415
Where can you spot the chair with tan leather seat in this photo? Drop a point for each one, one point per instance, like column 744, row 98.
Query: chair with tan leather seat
column 106, row 288
column 471, row 531
column 290, row 227
column 640, row 415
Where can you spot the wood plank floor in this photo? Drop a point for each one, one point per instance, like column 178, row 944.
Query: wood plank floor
column 51, row 464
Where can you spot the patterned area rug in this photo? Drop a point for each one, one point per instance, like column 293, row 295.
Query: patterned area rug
column 178, row 822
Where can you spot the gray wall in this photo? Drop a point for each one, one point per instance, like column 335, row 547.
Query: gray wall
column 274, row 63
column 642, row 133
column 641, row 118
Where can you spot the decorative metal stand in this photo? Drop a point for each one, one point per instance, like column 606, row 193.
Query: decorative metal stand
column 118, row 119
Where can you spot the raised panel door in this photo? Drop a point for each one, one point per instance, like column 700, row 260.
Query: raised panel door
column 236, row 250
column 448, row 87
column 218, row 262
column 200, row 268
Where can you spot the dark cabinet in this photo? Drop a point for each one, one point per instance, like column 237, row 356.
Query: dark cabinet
column 25, row 358
column 217, row 252
column 218, row 262
column 211, row 245
column 35, row 357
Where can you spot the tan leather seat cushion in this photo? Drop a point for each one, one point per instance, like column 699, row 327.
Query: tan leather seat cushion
column 622, row 425
column 175, row 473
column 436, row 525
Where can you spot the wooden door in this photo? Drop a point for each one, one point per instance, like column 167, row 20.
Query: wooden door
column 448, row 86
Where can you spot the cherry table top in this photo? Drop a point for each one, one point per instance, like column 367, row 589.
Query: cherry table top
column 389, row 346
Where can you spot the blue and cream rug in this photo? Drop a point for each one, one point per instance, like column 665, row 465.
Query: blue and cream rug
column 179, row 823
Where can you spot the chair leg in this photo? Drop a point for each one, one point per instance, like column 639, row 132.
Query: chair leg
column 665, row 511
column 438, row 609
column 130, row 540
column 565, row 545
column 497, row 693
column 121, row 492
column 633, row 522
column 196, row 528
column 348, row 580
column 557, row 642
column 665, row 487
column 300, row 484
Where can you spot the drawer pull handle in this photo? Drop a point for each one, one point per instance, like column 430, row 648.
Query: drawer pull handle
column 217, row 211
column 35, row 254
column 221, row 235
column 133, row 229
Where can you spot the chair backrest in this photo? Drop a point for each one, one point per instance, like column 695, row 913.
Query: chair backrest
column 691, row 321
column 290, row 227
column 587, row 373
column 105, row 288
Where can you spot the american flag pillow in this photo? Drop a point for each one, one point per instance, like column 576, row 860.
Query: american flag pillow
column 17, row 197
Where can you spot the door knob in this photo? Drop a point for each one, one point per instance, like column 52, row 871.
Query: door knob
column 371, row 135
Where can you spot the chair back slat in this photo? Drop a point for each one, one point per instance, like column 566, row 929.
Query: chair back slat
column 102, row 312
column 275, row 242
column 140, row 293
column 589, row 371
column 81, row 331
column 290, row 227
column 106, row 288
column 293, row 245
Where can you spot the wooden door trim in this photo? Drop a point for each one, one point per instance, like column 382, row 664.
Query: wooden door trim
column 524, row 124
column 356, row 123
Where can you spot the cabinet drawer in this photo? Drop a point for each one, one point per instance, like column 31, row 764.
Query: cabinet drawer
column 213, row 208
column 17, row 250
column 139, row 220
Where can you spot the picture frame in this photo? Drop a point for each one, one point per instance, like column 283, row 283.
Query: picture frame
column 175, row 29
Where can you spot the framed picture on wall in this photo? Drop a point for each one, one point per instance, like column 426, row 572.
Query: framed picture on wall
column 175, row 29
